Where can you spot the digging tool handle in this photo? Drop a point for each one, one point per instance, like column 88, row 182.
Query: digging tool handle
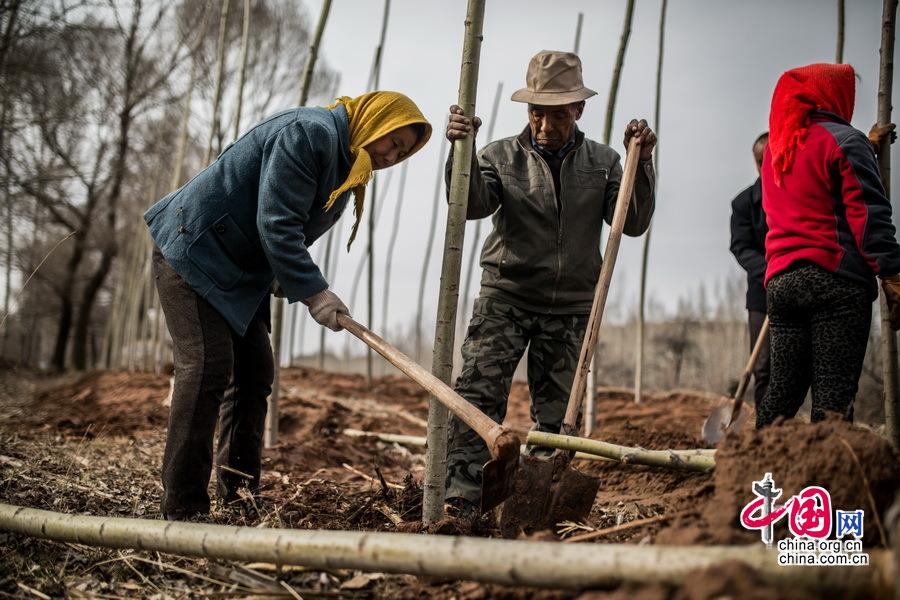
column 623, row 201
column 744, row 383
column 486, row 428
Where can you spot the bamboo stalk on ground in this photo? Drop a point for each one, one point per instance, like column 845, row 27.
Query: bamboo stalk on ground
column 642, row 295
column 442, row 365
column 270, row 435
column 505, row 562
column 220, row 70
column 589, row 401
column 606, row 451
column 888, row 337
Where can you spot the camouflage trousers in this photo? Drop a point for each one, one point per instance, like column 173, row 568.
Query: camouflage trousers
column 497, row 338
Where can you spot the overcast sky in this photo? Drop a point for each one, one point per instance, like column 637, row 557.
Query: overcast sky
column 722, row 59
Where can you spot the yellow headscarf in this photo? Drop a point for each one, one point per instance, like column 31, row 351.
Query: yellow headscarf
column 372, row 116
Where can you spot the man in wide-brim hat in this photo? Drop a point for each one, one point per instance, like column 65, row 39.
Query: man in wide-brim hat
column 549, row 190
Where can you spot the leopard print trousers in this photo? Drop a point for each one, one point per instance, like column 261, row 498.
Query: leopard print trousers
column 819, row 331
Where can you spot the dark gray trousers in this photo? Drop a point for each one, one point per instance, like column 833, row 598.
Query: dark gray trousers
column 219, row 376
column 764, row 363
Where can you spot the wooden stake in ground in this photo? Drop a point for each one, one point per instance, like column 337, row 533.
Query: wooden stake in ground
column 888, row 337
column 442, row 366
column 220, row 69
column 271, row 431
column 589, row 401
column 642, row 295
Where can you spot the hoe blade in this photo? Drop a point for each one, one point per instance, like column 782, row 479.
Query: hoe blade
column 498, row 478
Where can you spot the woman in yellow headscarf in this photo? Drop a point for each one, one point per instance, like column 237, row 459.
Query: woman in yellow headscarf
column 225, row 238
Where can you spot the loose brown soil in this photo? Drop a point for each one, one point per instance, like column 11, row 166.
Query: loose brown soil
column 92, row 443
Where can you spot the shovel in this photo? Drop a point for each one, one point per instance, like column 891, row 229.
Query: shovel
column 549, row 491
column 727, row 416
column 499, row 472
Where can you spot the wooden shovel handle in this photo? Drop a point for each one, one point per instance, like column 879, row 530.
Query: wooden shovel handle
column 601, row 292
column 483, row 425
column 744, row 383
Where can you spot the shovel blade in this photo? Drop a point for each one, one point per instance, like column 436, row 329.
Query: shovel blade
column 718, row 423
column 497, row 480
column 546, row 492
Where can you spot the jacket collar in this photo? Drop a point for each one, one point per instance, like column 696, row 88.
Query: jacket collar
column 824, row 115
column 524, row 140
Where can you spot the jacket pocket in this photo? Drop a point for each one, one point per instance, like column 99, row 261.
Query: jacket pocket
column 218, row 252
column 591, row 178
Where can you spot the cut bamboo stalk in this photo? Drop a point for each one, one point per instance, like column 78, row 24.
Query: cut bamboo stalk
column 889, row 367
column 220, row 70
column 418, row 441
column 589, row 401
column 505, row 562
column 578, row 32
column 692, row 460
column 642, row 294
column 442, row 365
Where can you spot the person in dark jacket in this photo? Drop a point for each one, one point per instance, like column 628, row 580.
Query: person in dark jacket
column 748, row 244
column 223, row 240
column 549, row 190
column 830, row 236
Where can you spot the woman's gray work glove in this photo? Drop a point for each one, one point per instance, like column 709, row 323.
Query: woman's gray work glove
column 324, row 308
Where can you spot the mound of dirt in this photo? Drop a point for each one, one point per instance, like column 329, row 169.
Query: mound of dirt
column 856, row 466
column 114, row 402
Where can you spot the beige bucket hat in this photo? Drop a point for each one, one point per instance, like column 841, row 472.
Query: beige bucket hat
column 553, row 78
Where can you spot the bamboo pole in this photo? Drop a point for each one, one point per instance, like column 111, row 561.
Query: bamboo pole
column 642, row 295
column 442, row 365
column 505, row 562
column 578, row 32
column 692, row 460
column 888, row 337
column 370, row 308
column 417, row 441
column 220, row 70
column 839, row 54
column 435, row 206
column 245, row 43
column 386, row 292
column 590, row 410
column 270, row 435
column 476, row 235
column 312, row 55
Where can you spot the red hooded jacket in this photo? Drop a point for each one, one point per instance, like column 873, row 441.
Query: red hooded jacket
column 822, row 192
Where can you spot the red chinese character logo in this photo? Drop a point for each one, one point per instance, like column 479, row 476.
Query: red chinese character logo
column 811, row 513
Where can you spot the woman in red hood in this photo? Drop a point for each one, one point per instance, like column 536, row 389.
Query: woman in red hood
column 830, row 236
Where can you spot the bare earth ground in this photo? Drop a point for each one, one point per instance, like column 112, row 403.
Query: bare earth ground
column 92, row 443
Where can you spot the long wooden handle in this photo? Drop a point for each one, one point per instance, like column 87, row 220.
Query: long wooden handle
column 744, row 383
column 601, row 292
column 483, row 425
